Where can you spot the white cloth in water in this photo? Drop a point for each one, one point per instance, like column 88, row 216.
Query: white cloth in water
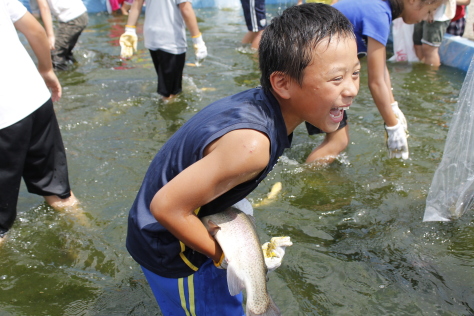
column 452, row 189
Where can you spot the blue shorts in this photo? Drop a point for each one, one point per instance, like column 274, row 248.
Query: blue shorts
column 204, row 293
column 254, row 13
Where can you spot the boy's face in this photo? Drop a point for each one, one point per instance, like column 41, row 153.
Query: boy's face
column 330, row 84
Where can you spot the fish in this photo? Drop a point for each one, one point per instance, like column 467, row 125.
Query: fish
column 236, row 233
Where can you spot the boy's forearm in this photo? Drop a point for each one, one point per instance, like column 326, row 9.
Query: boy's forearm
column 36, row 36
column 46, row 17
column 134, row 12
column 189, row 17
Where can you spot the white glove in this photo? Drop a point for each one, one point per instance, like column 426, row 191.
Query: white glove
column 200, row 49
column 397, row 141
column 128, row 42
column 399, row 114
column 274, row 251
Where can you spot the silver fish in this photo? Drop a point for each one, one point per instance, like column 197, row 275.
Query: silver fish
column 236, row 234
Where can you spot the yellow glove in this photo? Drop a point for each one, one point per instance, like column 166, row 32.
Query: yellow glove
column 274, row 251
column 128, row 42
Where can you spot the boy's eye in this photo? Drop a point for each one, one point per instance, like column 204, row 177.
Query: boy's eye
column 356, row 73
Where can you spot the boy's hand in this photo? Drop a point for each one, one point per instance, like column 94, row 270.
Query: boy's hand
column 53, row 84
column 52, row 42
column 200, row 48
column 223, row 263
column 128, row 42
column 274, row 251
column 397, row 141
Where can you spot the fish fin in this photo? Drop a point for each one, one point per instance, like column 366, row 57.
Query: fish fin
column 272, row 310
column 212, row 227
column 252, row 220
column 234, row 282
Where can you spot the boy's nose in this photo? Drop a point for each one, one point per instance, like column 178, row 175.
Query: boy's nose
column 352, row 88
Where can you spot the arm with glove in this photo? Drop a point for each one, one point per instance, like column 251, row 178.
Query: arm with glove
column 189, row 17
column 129, row 39
column 381, row 89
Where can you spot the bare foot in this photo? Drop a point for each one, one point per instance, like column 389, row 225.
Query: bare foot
column 69, row 205
column 170, row 98
column 60, row 204
column 2, row 238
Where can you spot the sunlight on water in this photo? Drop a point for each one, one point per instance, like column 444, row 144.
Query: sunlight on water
column 360, row 247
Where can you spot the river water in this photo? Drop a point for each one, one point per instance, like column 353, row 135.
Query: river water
column 360, row 247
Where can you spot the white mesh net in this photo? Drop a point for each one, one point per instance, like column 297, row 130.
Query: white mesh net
column 452, row 189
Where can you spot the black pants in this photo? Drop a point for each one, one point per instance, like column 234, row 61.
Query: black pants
column 169, row 68
column 33, row 149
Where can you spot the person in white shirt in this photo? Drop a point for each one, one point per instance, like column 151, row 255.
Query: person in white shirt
column 30, row 140
column 165, row 36
column 73, row 18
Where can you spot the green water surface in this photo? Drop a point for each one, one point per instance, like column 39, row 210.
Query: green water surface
column 360, row 246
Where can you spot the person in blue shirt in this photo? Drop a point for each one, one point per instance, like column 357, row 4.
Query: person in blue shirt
column 371, row 20
column 309, row 72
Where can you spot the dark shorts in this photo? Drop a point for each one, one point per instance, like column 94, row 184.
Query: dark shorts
column 457, row 27
column 33, row 149
column 254, row 13
column 429, row 33
column 313, row 130
column 169, row 68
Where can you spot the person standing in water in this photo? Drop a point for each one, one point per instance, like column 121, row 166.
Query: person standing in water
column 72, row 20
column 371, row 20
column 256, row 21
column 309, row 72
column 165, row 37
column 30, row 140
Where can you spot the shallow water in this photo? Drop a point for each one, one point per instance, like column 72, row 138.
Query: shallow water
column 360, row 247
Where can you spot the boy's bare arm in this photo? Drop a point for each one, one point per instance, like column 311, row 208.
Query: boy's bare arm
column 47, row 21
column 236, row 157
column 134, row 12
column 379, row 88
column 463, row 2
column 189, row 17
column 36, row 36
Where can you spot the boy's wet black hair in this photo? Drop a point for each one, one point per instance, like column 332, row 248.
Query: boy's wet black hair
column 288, row 43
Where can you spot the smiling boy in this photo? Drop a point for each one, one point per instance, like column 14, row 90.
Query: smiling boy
column 310, row 72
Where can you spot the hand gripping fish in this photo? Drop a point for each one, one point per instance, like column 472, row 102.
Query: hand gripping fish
column 236, row 234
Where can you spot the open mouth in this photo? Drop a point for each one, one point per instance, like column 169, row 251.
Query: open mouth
column 337, row 113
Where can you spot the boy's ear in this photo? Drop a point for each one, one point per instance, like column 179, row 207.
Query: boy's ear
column 280, row 84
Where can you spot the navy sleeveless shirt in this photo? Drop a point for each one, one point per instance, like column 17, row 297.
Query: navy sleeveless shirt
column 149, row 243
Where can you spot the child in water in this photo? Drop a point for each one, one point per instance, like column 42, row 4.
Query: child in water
column 371, row 20
column 31, row 145
column 309, row 72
